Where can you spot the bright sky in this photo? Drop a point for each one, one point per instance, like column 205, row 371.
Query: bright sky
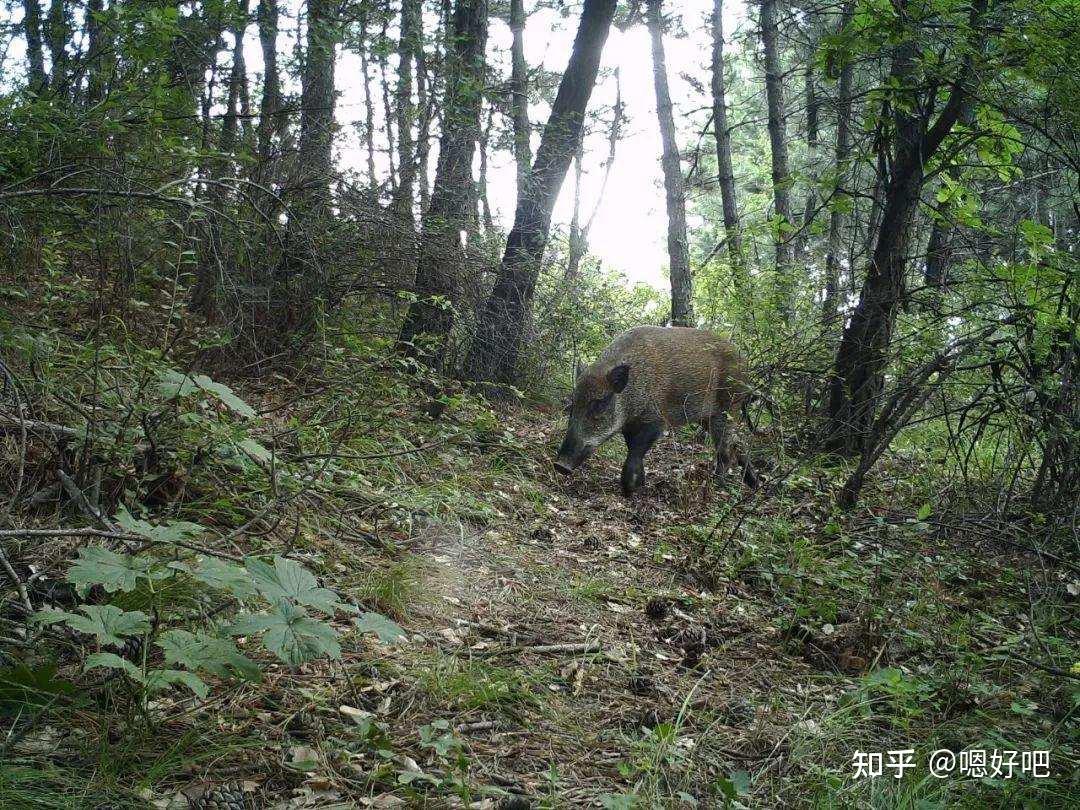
column 629, row 233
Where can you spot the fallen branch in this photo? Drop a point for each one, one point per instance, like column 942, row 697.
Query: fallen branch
column 35, row 426
column 574, row 648
column 18, row 583
column 126, row 537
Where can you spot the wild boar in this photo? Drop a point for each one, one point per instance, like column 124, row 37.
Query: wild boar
column 651, row 379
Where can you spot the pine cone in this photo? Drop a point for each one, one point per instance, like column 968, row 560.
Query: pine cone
column 226, row 796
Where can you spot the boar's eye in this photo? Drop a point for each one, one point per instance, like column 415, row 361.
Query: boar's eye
column 597, row 406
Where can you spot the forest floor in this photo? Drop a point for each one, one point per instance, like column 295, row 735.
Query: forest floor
column 695, row 646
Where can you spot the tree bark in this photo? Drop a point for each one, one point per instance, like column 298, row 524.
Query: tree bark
column 496, row 350
column 774, row 95
column 858, row 376
column 674, row 185
column 813, row 105
column 270, row 103
column 369, row 107
column 429, row 320
column 98, row 55
column 35, row 55
column 722, row 135
column 403, row 199
column 841, row 156
column 57, row 34
column 519, row 101
column 317, row 107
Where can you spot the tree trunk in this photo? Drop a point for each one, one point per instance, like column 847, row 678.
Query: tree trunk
column 317, row 107
column 774, row 95
column 483, row 202
column 388, row 111
column 497, row 347
column 98, row 53
column 425, row 98
column 57, row 34
column 861, row 359
column 519, row 102
column 369, row 107
column 403, row 202
column 674, row 186
column 722, row 134
column 430, row 318
column 813, row 104
column 35, row 55
column 270, row 103
column 841, row 156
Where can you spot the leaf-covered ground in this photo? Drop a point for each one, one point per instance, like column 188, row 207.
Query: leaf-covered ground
column 697, row 646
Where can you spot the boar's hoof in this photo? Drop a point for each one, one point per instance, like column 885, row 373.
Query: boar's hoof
column 632, row 479
column 563, row 468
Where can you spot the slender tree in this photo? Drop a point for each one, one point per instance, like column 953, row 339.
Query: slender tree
column 408, row 42
column 674, row 184
column 519, row 99
column 774, row 96
column 429, row 320
column 270, row 103
column 35, row 54
column 722, row 135
column 858, row 374
column 501, row 326
column 317, row 106
column 841, row 157
column 813, row 108
column 369, row 106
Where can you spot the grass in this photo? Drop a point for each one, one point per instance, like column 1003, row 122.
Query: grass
column 477, row 685
column 389, row 588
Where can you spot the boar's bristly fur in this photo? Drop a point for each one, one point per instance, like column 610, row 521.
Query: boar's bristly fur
column 651, row 379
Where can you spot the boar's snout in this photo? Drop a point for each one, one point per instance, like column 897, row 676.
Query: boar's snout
column 572, row 454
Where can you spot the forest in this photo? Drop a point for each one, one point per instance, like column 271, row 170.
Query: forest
column 311, row 312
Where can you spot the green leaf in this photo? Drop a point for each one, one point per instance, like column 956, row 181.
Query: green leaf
column 386, row 629
column 160, row 679
column 107, row 660
column 227, row 396
column 200, row 651
column 22, row 686
column 289, row 580
column 256, row 450
column 164, row 533
column 107, row 623
column 114, row 572
column 174, row 384
column 925, row 511
column 224, row 576
column 291, row 634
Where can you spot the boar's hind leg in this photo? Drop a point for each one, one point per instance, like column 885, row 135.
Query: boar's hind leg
column 639, row 438
column 721, row 436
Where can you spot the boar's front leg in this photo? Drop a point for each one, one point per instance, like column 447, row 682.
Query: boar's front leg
column 640, row 437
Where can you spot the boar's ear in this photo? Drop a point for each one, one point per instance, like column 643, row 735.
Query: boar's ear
column 618, row 377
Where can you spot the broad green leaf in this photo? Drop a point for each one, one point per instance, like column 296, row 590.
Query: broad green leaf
column 289, row 580
column 107, row 660
column 223, row 575
column 256, row 450
column 114, row 572
column 107, row 623
column 227, row 396
column 23, row 686
column 174, row 384
column 291, row 634
column 199, row 651
column 387, row 630
column 165, row 532
column 925, row 511
column 160, row 679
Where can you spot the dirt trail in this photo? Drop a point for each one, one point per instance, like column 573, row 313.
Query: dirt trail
column 584, row 629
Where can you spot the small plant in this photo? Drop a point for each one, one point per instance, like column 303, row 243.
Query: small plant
column 272, row 599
